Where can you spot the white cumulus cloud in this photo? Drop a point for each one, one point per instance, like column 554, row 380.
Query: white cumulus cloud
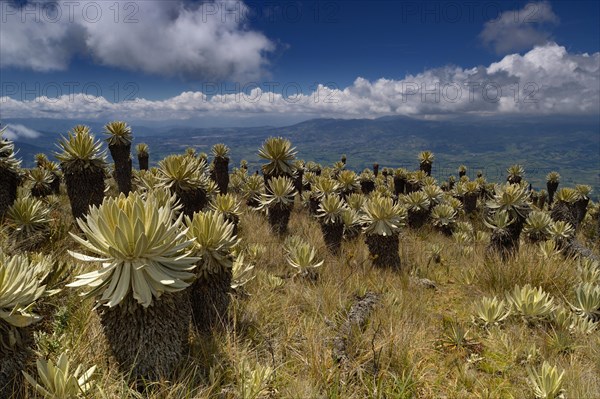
column 546, row 80
column 519, row 30
column 207, row 40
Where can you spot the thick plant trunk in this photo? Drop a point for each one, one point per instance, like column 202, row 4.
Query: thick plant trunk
column 425, row 167
column 551, row 187
column 503, row 244
column 332, row 235
column 148, row 343
column 55, row 184
column 222, row 174
column 8, row 190
column 367, row 186
column 279, row 217
column 417, row 219
column 565, row 212
column 192, row 200
column 143, row 162
column 470, row 203
column 399, row 185
column 384, row 250
column 313, row 205
column 209, row 297
column 121, row 156
column 12, row 361
column 298, row 181
column 580, row 207
column 41, row 191
column 84, row 189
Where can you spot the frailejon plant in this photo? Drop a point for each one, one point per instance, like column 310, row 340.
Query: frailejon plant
column 330, row 214
column 143, row 155
column 28, row 222
column 537, row 226
column 83, row 163
column 561, row 233
column 514, row 200
column 587, row 301
column 352, row 224
column 252, row 190
column 185, row 177
column 547, row 382
column 61, row 380
column 533, row 304
column 382, row 220
column 278, row 203
column 417, row 204
column 20, row 288
column 515, row 174
column 302, row 257
column 119, row 144
column 242, row 272
column 279, row 154
column 552, row 182
column 426, row 161
column 564, row 209
column 10, row 174
column 443, row 217
column 229, row 206
column 41, row 182
column 145, row 264
column 221, row 166
column 214, row 242
column 582, row 202
column 491, row 311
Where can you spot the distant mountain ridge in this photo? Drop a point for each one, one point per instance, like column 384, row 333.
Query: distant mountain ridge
column 569, row 145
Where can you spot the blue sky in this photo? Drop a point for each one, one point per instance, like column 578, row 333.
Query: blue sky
column 167, row 55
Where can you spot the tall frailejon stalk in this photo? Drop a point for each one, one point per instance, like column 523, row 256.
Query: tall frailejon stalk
column 20, row 287
column 145, row 264
column 582, row 202
column 143, row 155
column 229, row 207
column 119, row 144
column 280, row 156
column 214, row 243
column 426, row 161
column 382, row 221
column 221, row 166
column 552, row 182
column 84, row 167
column 417, row 203
column 41, row 182
column 348, row 183
column 564, row 208
column 514, row 200
column 10, row 174
column 185, row 177
column 54, row 170
column 278, row 202
column 330, row 213
column 400, row 179
column 501, row 240
column 515, row 174
column 469, row 192
column 367, row 181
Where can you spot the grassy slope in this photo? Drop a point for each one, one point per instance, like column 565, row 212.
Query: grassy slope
column 403, row 351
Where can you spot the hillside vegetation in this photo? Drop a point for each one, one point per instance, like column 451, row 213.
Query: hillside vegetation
column 198, row 279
